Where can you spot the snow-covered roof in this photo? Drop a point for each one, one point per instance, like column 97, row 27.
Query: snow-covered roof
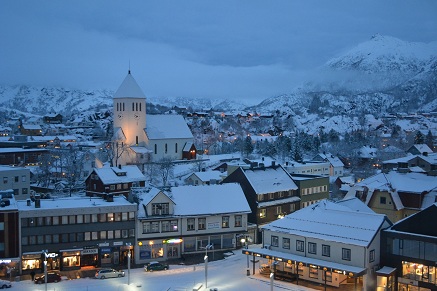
column 208, row 175
column 167, row 127
column 335, row 161
column 355, row 204
column 108, row 174
column 140, row 150
column 209, row 200
column 279, row 201
column 422, row 148
column 31, row 126
column 129, row 88
column 118, row 134
column 269, row 180
column 73, row 203
column 331, row 221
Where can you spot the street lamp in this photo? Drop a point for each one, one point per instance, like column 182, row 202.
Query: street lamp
column 209, row 246
column 128, row 263
column 244, row 242
column 45, row 267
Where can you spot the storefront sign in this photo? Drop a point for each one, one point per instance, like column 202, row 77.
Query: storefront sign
column 118, row 243
column 172, row 241
column 51, row 255
column 104, row 244
column 90, row 251
column 213, row 225
column 5, row 261
column 105, row 250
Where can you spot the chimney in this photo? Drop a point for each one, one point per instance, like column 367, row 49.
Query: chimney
column 109, row 197
column 37, row 201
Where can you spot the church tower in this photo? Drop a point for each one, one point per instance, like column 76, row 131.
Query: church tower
column 129, row 113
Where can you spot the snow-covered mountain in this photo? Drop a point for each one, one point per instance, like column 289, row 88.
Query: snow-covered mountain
column 381, row 75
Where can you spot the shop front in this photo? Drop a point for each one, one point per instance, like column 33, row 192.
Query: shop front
column 149, row 250
column 290, row 267
column 32, row 261
column 89, row 257
column 417, row 277
column 106, row 256
column 70, row 259
column 9, row 267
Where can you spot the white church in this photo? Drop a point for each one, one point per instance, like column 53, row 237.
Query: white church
column 140, row 138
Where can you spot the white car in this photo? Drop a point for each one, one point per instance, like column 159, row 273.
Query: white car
column 109, row 273
column 5, row 284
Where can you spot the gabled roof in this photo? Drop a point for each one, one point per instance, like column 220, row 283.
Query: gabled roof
column 129, row 88
column 167, row 127
column 269, row 179
column 108, row 175
column 118, row 134
column 146, row 195
column 335, row 161
column 331, row 221
column 207, row 175
column 210, row 200
column 421, row 148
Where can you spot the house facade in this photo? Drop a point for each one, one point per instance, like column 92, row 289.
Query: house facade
column 396, row 194
column 311, row 188
column 170, row 225
column 113, row 180
column 75, row 232
column 270, row 192
column 16, row 179
column 336, row 166
column 327, row 243
column 9, row 233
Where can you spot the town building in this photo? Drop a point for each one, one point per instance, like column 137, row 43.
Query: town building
column 396, row 194
column 336, row 166
column 170, row 225
column 114, row 180
column 312, row 188
column 9, row 233
column 75, row 232
column 270, row 192
column 409, row 251
column 140, row 138
column 327, row 243
column 21, row 156
column 16, row 179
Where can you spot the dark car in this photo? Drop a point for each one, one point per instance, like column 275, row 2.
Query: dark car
column 51, row 277
column 155, row 266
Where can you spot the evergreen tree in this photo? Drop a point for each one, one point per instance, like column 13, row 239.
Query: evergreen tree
column 429, row 140
column 247, row 146
column 419, row 138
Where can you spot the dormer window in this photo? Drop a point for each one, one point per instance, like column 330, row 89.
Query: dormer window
column 160, row 209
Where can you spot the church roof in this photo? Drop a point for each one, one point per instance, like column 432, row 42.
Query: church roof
column 129, row 89
column 167, row 126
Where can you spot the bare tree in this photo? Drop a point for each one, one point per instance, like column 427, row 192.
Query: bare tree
column 165, row 170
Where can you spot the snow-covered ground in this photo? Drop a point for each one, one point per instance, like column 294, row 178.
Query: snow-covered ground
column 228, row 274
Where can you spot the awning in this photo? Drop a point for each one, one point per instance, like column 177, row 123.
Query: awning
column 386, row 271
column 71, row 250
column 351, row 271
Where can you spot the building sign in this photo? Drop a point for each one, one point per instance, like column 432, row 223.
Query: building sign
column 104, row 244
column 118, row 243
column 89, row 251
column 172, row 241
column 213, row 225
column 105, row 250
column 51, row 255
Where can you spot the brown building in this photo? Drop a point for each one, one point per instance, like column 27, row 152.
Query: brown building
column 9, row 233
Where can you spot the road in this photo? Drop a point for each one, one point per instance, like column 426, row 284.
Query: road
column 225, row 275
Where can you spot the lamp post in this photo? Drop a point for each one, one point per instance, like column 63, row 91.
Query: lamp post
column 244, row 242
column 45, row 268
column 128, row 264
column 209, row 246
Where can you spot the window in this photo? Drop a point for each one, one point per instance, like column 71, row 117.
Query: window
column 292, row 207
column 275, row 241
column 326, row 250
column 165, row 148
column 125, row 233
column 285, row 243
column 176, row 148
column 155, row 226
column 5, row 180
column 346, row 254
column 262, row 213
column 300, row 246
column 260, row 197
column 146, row 227
column 271, row 195
column 201, row 223
column 65, row 219
column 372, row 256
column 238, row 220
column 190, row 224
column 165, row 226
column 312, row 248
column 225, row 221
column 382, row 200
column 160, row 209
column 16, row 179
column 112, row 187
column 278, row 210
column 23, row 178
column 156, row 149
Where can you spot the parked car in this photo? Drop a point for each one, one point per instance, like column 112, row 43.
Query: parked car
column 5, row 284
column 155, row 266
column 109, row 273
column 51, row 277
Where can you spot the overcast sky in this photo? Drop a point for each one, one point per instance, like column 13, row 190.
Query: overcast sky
column 229, row 49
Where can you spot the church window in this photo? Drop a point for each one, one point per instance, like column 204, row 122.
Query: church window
column 156, row 149
column 176, row 148
column 136, row 139
column 133, row 106
column 123, row 106
column 165, row 148
column 140, row 106
column 117, row 106
column 136, row 106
